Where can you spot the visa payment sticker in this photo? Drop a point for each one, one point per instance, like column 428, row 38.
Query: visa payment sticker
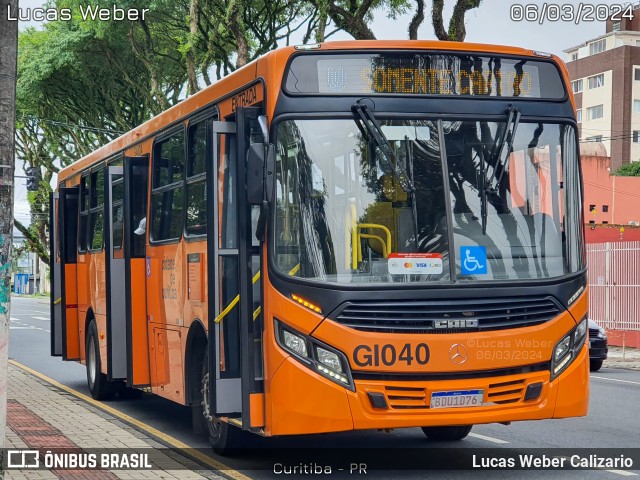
column 415, row 263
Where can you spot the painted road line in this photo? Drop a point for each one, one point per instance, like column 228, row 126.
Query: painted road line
column 615, row 380
column 624, row 473
column 41, row 318
column 201, row 457
column 488, row 439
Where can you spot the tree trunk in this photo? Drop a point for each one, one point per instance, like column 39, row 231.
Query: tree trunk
column 237, row 27
column 191, row 55
column 8, row 60
column 417, row 20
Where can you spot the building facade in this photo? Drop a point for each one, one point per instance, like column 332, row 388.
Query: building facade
column 605, row 74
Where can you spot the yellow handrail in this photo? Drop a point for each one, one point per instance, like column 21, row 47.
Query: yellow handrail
column 378, row 227
column 356, row 254
column 385, row 253
column 235, row 301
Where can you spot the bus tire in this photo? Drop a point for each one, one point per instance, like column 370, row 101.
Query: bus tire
column 99, row 386
column 225, row 439
column 447, row 434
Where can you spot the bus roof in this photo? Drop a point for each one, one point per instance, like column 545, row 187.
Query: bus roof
column 279, row 58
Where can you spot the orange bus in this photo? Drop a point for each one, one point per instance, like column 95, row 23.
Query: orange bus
column 351, row 235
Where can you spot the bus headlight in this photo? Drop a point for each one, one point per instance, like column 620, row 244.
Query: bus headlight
column 562, row 348
column 329, row 359
column 567, row 349
column 295, row 343
column 323, row 359
column 581, row 332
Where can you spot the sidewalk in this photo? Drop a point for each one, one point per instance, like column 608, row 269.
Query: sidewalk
column 617, row 358
column 42, row 416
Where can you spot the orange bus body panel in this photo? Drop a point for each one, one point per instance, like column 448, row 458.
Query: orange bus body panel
column 139, row 333
column 71, row 311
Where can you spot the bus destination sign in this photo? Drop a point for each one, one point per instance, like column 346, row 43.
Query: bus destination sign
column 424, row 74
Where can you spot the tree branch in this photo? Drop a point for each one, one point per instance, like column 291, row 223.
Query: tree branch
column 34, row 243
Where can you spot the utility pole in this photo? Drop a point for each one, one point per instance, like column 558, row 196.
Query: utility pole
column 8, row 69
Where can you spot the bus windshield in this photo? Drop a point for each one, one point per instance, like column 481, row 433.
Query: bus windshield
column 469, row 210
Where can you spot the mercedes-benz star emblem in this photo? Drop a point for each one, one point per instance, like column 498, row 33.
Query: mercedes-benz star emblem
column 458, row 353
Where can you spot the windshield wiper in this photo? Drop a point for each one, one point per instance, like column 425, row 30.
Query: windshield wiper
column 369, row 127
column 508, row 136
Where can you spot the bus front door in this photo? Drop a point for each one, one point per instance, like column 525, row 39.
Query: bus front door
column 234, row 271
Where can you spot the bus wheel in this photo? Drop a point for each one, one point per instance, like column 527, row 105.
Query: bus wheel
column 447, row 434
column 224, row 438
column 99, row 386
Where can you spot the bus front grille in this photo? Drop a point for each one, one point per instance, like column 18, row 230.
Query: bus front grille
column 442, row 316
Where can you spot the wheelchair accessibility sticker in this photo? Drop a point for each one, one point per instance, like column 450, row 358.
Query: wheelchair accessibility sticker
column 473, row 260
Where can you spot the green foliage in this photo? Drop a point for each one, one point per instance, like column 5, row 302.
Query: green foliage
column 628, row 170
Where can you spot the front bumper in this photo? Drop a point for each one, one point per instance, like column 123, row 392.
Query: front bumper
column 304, row 402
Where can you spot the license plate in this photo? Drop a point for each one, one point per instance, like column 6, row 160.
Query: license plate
column 457, row 399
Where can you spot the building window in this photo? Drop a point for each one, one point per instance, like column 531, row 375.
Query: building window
column 636, row 73
column 167, row 189
column 593, row 113
column 579, row 115
column 576, row 85
column 592, row 222
column 597, row 47
column 592, row 208
column 595, row 138
column 574, row 57
column 636, row 106
column 605, row 208
column 604, row 222
column 596, row 81
column 636, row 136
column 615, row 27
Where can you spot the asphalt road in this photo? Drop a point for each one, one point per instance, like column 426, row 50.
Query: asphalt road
column 613, row 420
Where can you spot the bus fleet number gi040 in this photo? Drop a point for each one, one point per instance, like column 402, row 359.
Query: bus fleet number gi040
column 388, row 355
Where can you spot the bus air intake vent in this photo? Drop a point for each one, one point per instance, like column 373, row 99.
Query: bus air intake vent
column 447, row 316
column 406, row 398
column 506, row 392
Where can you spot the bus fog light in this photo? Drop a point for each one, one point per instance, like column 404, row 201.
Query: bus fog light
column 332, row 374
column 295, row 343
column 560, row 365
column 562, row 348
column 329, row 359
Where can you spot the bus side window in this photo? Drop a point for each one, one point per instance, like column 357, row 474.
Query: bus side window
column 198, row 145
column 96, row 211
column 167, row 182
column 84, row 214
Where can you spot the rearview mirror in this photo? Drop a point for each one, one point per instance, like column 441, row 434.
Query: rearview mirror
column 255, row 174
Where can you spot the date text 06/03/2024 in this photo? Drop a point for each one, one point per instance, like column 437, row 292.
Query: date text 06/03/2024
column 581, row 12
